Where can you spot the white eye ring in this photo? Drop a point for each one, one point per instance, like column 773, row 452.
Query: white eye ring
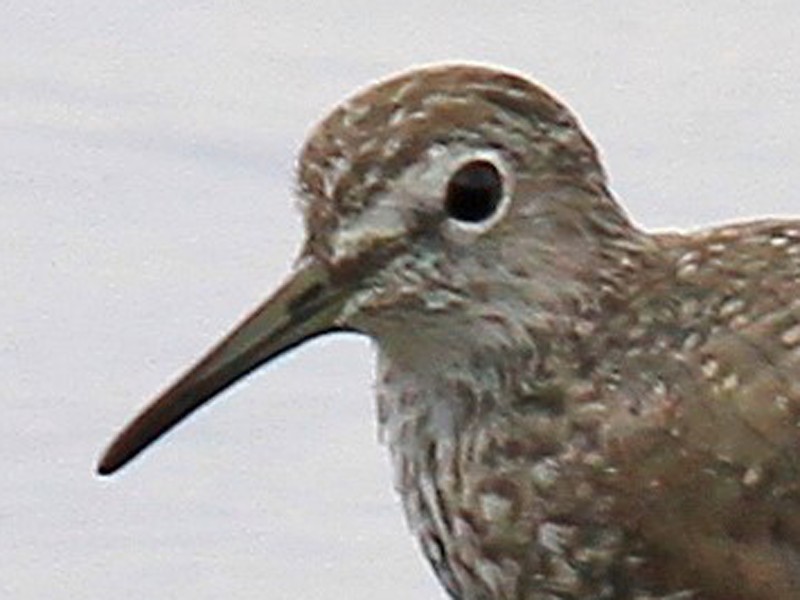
column 477, row 192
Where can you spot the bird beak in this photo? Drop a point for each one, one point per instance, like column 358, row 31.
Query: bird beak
column 307, row 305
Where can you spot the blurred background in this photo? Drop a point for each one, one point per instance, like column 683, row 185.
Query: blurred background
column 146, row 161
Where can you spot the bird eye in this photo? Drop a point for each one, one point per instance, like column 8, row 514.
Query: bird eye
column 474, row 192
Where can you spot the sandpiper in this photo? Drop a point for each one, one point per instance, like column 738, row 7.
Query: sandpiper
column 576, row 408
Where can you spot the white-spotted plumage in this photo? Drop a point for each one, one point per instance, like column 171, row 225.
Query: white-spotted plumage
column 576, row 409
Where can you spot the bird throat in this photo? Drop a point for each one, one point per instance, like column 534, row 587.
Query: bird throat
column 440, row 418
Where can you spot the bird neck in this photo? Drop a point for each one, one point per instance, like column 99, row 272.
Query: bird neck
column 452, row 370
column 435, row 385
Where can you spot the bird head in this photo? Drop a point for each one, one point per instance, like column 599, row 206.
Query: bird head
column 444, row 205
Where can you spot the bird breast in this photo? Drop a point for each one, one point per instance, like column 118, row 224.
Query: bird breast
column 480, row 481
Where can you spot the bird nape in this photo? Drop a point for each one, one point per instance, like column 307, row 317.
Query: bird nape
column 577, row 408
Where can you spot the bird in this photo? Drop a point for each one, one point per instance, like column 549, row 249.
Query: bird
column 575, row 407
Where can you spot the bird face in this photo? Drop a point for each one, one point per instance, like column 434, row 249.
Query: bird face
column 449, row 199
column 444, row 190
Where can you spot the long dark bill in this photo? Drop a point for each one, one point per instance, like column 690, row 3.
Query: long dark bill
column 305, row 306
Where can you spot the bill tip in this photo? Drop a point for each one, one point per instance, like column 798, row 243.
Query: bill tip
column 106, row 466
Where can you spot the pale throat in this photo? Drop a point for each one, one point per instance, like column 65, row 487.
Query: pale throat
column 433, row 380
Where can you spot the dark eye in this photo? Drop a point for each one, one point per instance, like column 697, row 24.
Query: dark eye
column 474, row 192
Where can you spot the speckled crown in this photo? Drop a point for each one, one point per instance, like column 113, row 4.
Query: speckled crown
column 367, row 141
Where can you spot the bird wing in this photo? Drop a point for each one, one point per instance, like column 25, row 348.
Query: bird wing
column 704, row 421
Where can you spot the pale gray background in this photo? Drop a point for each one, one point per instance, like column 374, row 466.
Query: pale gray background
column 146, row 155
